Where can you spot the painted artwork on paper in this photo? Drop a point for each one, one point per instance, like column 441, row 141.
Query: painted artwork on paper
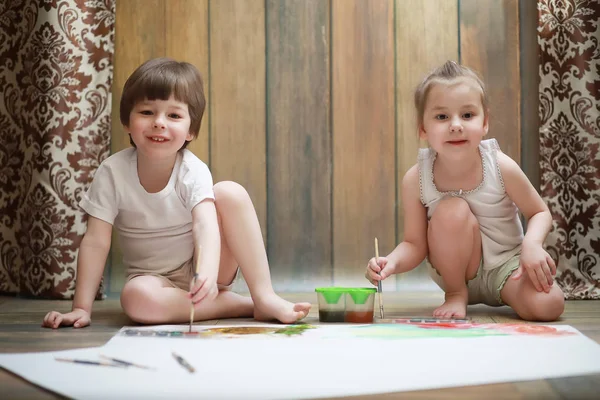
column 396, row 329
column 284, row 352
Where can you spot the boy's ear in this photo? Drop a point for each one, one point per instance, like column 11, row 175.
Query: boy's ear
column 189, row 137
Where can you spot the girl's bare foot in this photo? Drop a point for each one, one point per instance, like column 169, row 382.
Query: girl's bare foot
column 455, row 306
column 274, row 307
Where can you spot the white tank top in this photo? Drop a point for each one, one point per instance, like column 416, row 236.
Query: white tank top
column 501, row 228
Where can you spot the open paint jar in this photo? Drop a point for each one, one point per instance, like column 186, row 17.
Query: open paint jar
column 331, row 304
column 342, row 304
column 360, row 303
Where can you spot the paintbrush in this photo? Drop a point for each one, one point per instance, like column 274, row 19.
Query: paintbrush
column 379, row 296
column 125, row 363
column 193, row 283
column 90, row 362
column 183, row 362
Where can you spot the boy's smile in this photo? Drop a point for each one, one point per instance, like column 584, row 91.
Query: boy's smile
column 159, row 128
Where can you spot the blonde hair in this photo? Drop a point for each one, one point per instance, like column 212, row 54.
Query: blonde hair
column 450, row 71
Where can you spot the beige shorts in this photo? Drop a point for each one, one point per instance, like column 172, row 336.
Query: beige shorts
column 182, row 276
column 486, row 286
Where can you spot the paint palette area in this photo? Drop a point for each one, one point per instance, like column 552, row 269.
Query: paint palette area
column 426, row 320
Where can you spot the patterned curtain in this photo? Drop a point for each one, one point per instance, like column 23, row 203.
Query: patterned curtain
column 55, row 80
column 569, row 43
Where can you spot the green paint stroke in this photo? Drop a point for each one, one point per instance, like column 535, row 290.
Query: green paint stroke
column 294, row 330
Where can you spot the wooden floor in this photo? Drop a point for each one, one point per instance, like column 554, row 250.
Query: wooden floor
column 20, row 331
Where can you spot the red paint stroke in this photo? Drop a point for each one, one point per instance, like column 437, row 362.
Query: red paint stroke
column 519, row 329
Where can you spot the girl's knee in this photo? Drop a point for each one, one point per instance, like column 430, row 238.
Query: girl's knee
column 229, row 193
column 547, row 307
column 552, row 305
column 454, row 213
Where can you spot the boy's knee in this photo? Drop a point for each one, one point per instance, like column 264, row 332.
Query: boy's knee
column 229, row 192
column 453, row 212
column 136, row 301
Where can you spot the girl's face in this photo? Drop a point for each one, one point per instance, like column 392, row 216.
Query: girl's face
column 159, row 128
column 454, row 121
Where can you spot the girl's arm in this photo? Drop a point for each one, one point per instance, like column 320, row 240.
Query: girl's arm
column 527, row 200
column 205, row 230
column 534, row 259
column 408, row 254
column 91, row 260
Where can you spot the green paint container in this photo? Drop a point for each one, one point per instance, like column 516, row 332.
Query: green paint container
column 332, row 303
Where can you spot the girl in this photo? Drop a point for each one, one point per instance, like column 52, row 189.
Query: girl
column 461, row 203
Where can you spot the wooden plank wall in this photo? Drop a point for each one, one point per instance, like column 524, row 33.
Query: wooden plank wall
column 363, row 134
column 310, row 108
column 299, row 161
column 489, row 43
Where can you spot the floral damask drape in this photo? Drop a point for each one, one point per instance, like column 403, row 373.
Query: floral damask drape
column 569, row 43
column 55, row 80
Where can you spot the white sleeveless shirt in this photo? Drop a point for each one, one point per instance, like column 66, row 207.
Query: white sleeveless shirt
column 500, row 226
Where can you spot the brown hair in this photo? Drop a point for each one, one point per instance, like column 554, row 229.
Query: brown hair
column 159, row 78
column 450, row 71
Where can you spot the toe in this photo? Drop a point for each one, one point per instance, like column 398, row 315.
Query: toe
column 300, row 315
column 303, row 307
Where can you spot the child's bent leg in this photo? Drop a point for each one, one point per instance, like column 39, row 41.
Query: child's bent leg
column 150, row 300
column 531, row 305
column 454, row 244
column 242, row 245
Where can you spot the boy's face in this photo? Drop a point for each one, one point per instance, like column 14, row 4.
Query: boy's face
column 159, row 128
column 454, row 121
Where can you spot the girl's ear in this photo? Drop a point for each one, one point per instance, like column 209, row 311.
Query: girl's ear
column 189, row 137
column 486, row 122
column 422, row 133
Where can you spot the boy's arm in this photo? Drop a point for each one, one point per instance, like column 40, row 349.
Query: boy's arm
column 205, row 230
column 413, row 249
column 91, row 260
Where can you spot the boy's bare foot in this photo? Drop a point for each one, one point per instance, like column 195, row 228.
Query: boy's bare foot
column 455, row 306
column 274, row 307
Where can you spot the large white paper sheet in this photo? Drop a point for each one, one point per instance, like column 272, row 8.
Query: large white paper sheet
column 328, row 361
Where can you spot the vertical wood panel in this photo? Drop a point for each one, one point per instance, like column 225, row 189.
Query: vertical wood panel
column 135, row 43
column 186, row 35
column 238, row 127
column 363, row 134
column 530, row 86
column 433, row 25
column 299, row 145
column 489, row 33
